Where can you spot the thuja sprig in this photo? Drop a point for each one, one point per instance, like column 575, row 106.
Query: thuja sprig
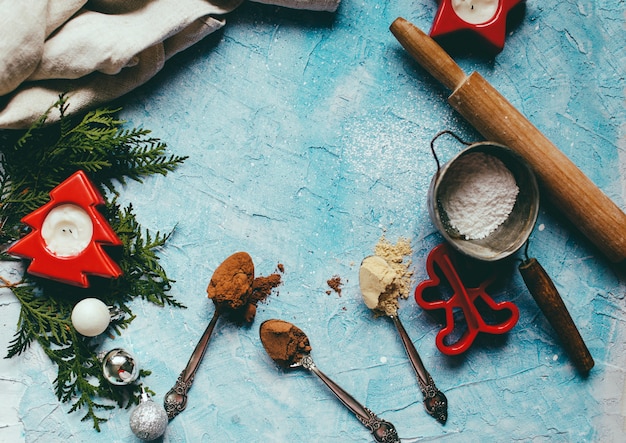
column 144, row 276
column 45, row 155
column 31, row 165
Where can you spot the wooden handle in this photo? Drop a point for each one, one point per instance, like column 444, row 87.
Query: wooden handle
column 573, row 193
column 551, row 304
column 428, row 53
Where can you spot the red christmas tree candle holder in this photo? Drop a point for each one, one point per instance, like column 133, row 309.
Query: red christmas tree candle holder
column 484, row 18
column 68, row 232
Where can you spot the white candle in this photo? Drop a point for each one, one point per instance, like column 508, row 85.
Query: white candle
column 67, row 230
column 475, row 11
column 91, row 317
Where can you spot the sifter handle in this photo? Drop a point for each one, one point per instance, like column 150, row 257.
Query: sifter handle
column 551, row 304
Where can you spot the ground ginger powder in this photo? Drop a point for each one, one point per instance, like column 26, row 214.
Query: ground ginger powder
column 399, row 287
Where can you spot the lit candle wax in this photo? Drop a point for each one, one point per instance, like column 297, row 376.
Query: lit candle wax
column 67, row 230
column 475, row 11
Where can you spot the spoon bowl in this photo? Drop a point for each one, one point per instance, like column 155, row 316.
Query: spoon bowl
column 289, row 347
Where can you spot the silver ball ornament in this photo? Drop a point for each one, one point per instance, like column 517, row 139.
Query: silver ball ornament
column 149, row 420
column 120, row 367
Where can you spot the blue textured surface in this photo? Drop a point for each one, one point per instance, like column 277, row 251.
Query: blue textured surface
column 308, row 140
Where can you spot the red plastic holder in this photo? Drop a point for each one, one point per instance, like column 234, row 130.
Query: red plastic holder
column 67, row 235
column 454, row 17
column 472, row 306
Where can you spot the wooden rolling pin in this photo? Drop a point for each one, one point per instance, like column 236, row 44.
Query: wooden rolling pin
column 573, row 193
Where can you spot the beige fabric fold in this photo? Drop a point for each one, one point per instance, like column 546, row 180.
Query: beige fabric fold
column 311, row 5
column 97, row 50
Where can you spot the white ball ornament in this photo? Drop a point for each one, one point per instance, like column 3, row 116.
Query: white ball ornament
column 91, row 317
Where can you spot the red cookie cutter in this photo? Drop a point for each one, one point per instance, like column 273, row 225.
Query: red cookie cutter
column 463, row 299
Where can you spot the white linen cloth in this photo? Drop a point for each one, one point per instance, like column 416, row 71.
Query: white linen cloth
column 97, row 50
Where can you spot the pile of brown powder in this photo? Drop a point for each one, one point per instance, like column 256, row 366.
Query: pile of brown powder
column 234, row 287
column 335, row 284
column 231, row 282
column 285, row 343
column 261, row 288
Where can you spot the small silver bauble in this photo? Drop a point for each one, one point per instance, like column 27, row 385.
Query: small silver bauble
column 149, row 420
column 119, row 367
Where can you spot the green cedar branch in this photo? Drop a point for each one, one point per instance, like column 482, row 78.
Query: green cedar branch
column 31, row 165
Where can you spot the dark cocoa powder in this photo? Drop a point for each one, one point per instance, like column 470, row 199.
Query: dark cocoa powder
column 285, row 343
column 335, row 284
column 234, row 287
column 231, row 284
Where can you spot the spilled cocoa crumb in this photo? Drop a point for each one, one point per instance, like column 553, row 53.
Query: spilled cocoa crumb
column 262, row 287
column 335, row 284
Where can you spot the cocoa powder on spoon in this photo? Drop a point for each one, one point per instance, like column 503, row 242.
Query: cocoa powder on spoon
column 285, row 343
column 234, row 286
column 231, row 283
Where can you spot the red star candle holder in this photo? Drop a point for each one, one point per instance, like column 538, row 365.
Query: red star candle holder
column 68, row 232
column 485, row 18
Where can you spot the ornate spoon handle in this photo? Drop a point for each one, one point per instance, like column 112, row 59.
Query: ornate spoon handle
column 435, row 401
column 175, row 400
column 382, row 431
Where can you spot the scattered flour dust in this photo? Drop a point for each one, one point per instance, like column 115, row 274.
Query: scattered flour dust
column 380, row 147
column 478, row 194
column 385, row 158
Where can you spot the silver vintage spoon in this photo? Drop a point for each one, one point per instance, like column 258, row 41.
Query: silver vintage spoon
column 229, row 289
column 175, row 400
column 376, row 279
column 288, row 346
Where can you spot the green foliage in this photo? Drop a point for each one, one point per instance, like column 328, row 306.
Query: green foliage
column 32, row 163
